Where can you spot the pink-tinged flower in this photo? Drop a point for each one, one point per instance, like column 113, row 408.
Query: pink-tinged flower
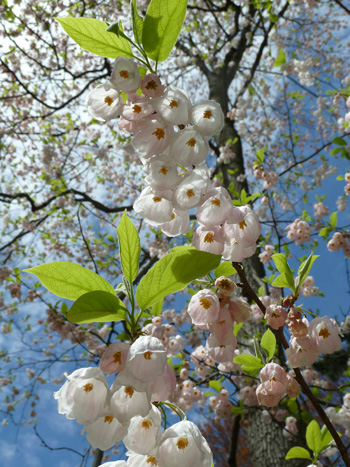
column 246, row 232
column 105, row 432
column 270, row 393
column 154, row 206
column 137, row 108
column 325, row 332
column 303, row 351
column 298, row 328
column 144, row 433
column 83, row 396
column 293, row 388
column 162, row 173
column 178, row 225
column 204, row 308
column 183, row 445
column 130, row 127
column 114, row 357
column 234, row 251
column 239, row 309
column 225, row 285
column 151, row 85
column 208, row 117
column 146, row 359
column 174, row 106
column 274, row 372
column 222, row 350
column 130, row 397
column 188, row 147
column 188, row 194
column 164, row 386
column 152, row 137
column 104, row 103
column 209, row 240
column 216, row 208
column 125, row 75
column 276, row 316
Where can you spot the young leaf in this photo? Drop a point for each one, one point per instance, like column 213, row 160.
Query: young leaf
column 129, row 247
column 237, row 328
column 92, row 36
column 224, row 269
column 333, row 219
column 157, row 308
column 215, row 385
column 305, row 268
column 298, row 453
column 327, row 438
column 173, row 273
column 313, row 437
column 97, row 307
column 282, row 265
column 248, row 361
column 282, row 281
column 339, row 141
column 137, row 22
column 162, row 27
column 69, row 280
column 268, row 343
column 281, row 58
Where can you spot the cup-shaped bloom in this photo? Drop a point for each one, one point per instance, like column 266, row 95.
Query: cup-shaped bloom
column 274, row 372
column 139, row 460
column 83, row 396
column 137, row 108
column 276, row 316
column 325, row 332
column 239, row 309
column 208, row 117
column 225, row 285
column 130, row 127
column 221, row 350
column 152, row 137
column 270, row 393
column 164, row 386
column 293, row 388
column 114, row 357
column 188, row 194
column 182, row 444
column 235, row 251
column 246, row 232
column 303, row 351
column 146, row 359
column 104, row 432
column 144, row 433
column 204, row 307
column 151, row 85
column 216, row 208
column 209, row 239
column 162, row 173
column 178, row 225
column 125, row 75
column 130, row 397
column 174, row 106
column 188, row 147
column 104, row 103
column 154, row 206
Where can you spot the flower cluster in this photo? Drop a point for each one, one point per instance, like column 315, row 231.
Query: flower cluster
column 338, row 241
column 308, row 288
column 299, row 232
column 125, row 411
column 275, row 383
column 270, row 178
column 171, row 137
column 266, row 256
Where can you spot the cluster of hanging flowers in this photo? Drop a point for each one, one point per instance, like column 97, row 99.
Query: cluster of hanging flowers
column 171, row 137
column 129, row 410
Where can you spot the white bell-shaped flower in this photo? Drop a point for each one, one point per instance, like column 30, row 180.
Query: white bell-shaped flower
column 162, row 173
column 105, row 432
column 236, row 252
column 146, row 359
column 247, row 231
column 179, row 224
column 183, row 445
column 209, row 239
column 144, row 433
column 204, row 307
column 188, row 147
column 114, row 357
column 130, row 397
column 154, row 206
column 83, row 396
column 152, row 138
column 174, row 106
column 208, row 117
column 164, row 386
column 216, row 208
column 137, row 108
column 188, row 194
column 104, row 103
column 115, row 464
column 125, row 75
column 325, row 332
column 139, row 460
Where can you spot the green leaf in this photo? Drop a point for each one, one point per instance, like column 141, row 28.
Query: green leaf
column 243, row 196
column 173, row 273
column 340, row 177
column 282, row 281
column 313, row 437
column 298, row 453
column 97, row 307
column 268, row 343
column 157, row 308
column 260, row 155
column 281, row 58
column 236, row 410
column 69, row 280
column 324, row 231
column 282, row 265
column 162, row 27
column 129, row 247
column 224, row 269
column 215, row 385
column 92, row 36
column 250, row 364
column 339, row 141
column 333, row 219
column 326, row 437
column 137, row 22
column 237, row 328
column 305, row 268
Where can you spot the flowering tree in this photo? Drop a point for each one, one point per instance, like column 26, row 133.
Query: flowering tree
column 222, row 142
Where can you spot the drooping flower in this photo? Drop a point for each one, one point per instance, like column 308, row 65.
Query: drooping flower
column 104, row 103
column 144, row 433
column 204, row 307
column 125, row 75
column 174, row 106
column 146, row 359
column 208, row 117
column 104, row 432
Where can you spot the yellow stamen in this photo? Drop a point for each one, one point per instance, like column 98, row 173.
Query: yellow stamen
column 151, row 85
column 108, row 419
column 216, row 202
column 147, row 355
column 146, row 423
column 206, row 304
column 124, row 74
column 163, row 170
column 151, row 461
column 156, row 199
column 209, row 238
column 173, row 104
column 207, row 114
column 108, row 100
column 117, row 358
column 129, row 391
column 242, row 225
column 191, row 142
column 190, row 193
column 182, row 443
column 324, row 333
column 159, row 133
column 88, row 387
column 137, row 109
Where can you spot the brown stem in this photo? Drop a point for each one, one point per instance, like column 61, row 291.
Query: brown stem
column 298, row 376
